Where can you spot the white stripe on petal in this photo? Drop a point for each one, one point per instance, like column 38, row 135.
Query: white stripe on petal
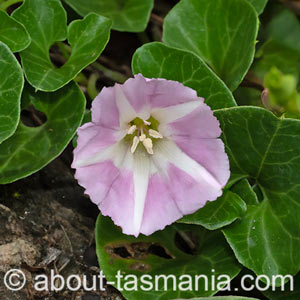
column 172, row 113
column 167, row 151
column 126, row 111
column 115, row 153
column 141, row 174
column 101, row 156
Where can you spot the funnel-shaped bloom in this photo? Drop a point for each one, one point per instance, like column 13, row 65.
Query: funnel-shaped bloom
column 151, row 154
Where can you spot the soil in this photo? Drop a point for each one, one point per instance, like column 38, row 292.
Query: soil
column 47, row 223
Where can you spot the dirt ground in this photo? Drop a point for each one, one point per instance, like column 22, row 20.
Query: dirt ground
column 47, row 223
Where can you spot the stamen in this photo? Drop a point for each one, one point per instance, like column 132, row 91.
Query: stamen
column 147, row 122
column 132, row 129
column 155, row 134
column 148, row 145
column 134, row 144
column 142, row 137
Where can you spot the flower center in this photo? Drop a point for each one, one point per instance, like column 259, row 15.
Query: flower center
column 143, row 131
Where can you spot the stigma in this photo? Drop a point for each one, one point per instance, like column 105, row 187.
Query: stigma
column 143, row 134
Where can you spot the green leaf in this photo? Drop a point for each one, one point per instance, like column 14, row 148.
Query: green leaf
column 12, row 33
column 266, row 150
column 160, row 61
column 223, row 298
column 45, row 20
column 11, row 86
column 259, row 5
column 159, row 254
column 223, row 33
column 128, row 15
column 30, row 149
column 216, row 214
column 245, row 191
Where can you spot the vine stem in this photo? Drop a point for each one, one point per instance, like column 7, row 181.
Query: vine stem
column 5, row 4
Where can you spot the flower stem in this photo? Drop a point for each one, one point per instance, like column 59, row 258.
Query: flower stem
column 91, row 87
column 114, row 75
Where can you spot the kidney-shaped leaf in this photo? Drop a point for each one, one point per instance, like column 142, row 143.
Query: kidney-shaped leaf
column 216, row 214
column 160, row 61
column 11, row 86
column 162, row 254
column 245, row 191
column 129, row 15
column 265, row 149
column 259, row 5
column 30, row 149
column 12, row 33
column 223, row 33
column 45, row 20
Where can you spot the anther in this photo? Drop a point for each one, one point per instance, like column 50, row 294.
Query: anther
column 134, row 144
column 132, row 129
column 155, row 134
column 142, row 137
column 148, row 145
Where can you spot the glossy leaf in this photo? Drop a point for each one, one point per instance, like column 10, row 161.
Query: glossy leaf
column 45, row 20
column 143, row 256
column 12, row 33
column 11, row 86
column 129, row 15
column 31, row 148
column 245, row 191
column 259, row 5
column 160, row 61
column 265, row 149
column 216, row 214
column 226, row 41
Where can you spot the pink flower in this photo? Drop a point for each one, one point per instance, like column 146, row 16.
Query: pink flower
column 151, row 154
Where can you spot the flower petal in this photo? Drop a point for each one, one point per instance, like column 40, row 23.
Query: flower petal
column 160, row 207
column 104, row 109
column 172, row 113
column 210, row 153
column 167, row 151
column 144, row 93
column 179, row 186
column 200, row 123
column 126, row 111
column 110, row 188
column 92, row 139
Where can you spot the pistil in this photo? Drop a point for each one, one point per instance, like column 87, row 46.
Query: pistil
column 143, row 135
